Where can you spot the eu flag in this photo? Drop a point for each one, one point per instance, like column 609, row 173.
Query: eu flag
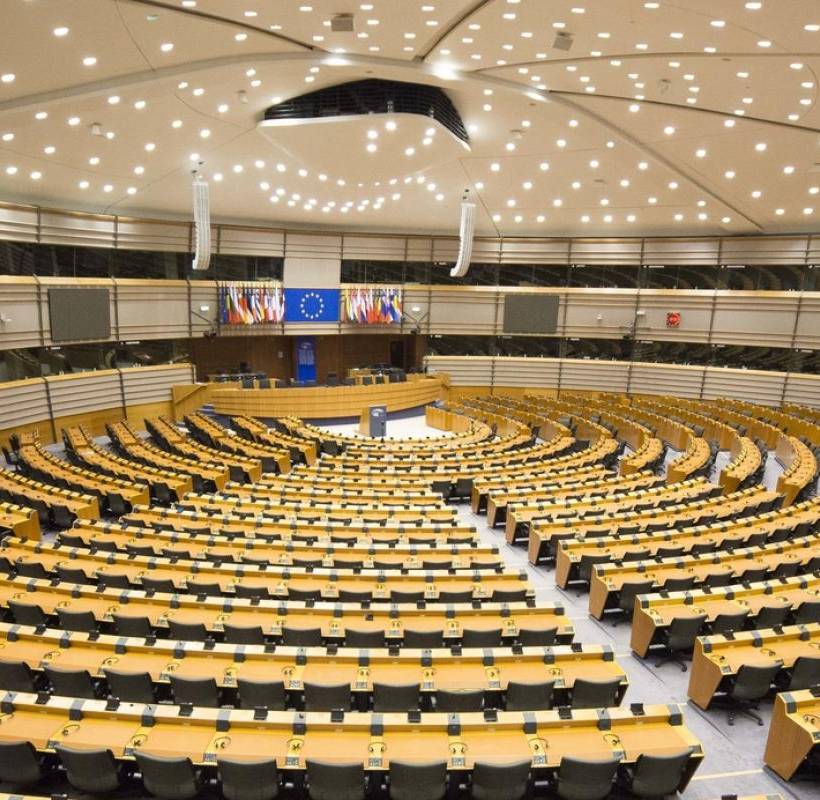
column 312, row 305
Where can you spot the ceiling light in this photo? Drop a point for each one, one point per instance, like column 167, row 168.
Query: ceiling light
column 495, row 167
column 760, row 147
column 61, row 31
column 83, row 184
column 240, row 37
column 108, row 188
column 73, row 121
column 259, row 164
column 36, row 175
column 139, row 170
column 89, row 61
column 780, row 211
column 372, row 147
column 8, row 77
column 700, row 152
column 643, row 165
column 673, row 185
column 150, row 147
column 757, row 194
column 8, row 137
column 409, row 151
column 166, row 47
column 113, row 100
column 669, row 130
column 718, row 23
column 544, row 166
column 94, row 160
column 41, row 115
column 729, row 123
column 729, row 174
column 789, row 170
column 204, row 133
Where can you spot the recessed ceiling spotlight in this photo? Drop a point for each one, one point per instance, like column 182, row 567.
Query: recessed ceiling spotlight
column 240, row 37
column 113, row 100
column 73, row 121
column 60, row 31
column 166, row 47
column 83, row 184
column 89, row 61
column 7, row 77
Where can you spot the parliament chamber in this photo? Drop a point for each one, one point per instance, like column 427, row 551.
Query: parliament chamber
column 411, row 399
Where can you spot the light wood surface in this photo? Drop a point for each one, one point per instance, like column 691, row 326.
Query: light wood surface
column 794, row 732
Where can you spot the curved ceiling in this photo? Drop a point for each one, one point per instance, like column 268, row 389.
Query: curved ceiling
column 669, row 117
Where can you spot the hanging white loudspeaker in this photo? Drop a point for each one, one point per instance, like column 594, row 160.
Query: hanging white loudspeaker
column 466, row 231
column 202, row 225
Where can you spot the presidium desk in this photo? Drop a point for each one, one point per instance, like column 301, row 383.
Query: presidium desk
column 327, row 402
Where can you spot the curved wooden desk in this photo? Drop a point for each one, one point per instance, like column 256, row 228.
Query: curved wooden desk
column 326, row 402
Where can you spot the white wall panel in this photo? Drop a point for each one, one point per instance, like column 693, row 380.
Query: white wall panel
column 535, row 373
column 19, row 223
column 807, row 333
column 18, row 307
column 153, row 384
column 249, row 241
column 803, row 390
column 535, row 251
column 754, row 317
column 375, row 248
column 695, row 309
column 150, row 310
column 84, row 392
column 136, row 234
column 463, row 311
column 616, row 307
column 739, row 384
column 671, row 252
column 463, row 370
column 22, row 402
column 601, row 252
column 85, row 230
column 598, row 376
column 681, row 381
column 764, row 250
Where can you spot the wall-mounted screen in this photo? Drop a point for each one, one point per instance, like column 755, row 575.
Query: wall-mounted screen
column 79, row 314
column 531, row 313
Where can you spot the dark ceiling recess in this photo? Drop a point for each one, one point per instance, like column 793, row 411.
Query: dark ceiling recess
column 373, row 96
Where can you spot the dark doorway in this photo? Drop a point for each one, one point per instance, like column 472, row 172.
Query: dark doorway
column 397, row 354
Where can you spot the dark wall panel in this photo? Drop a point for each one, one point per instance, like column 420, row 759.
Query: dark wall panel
column 79, row 314
column 527, row 313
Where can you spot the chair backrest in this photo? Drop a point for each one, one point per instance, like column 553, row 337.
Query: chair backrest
column 683, row 631
column 533, row 637
column 15, row 676
column 753, row 681
column 455, row 596
column 199, row 691
column 658, row 776
column 261, row 694
column 249, row 591
column 19, row 764
column 586, row 779
column 399, row 596
column 500, row 781
column 163, row 585
column 805, row 673
column 508, row 595
column 808, row 611
column 93, row 771
column 132, row 626
column 418, row 781
column 70, row 682
column 459, row 700
column 248, row 780
column 481, row 638
column 72, row 575
column 529, row 696
column 168, row 778
column 82, row 621
column 327, row 697
column 359, row 638
column 187, row 631
column 131, row 687
column 679, row 584
column 328, row 781
column 208, row 588
column 352, row 595
column 422, row 639
column 26, row 613
column 302, row 637
column 595, row 694
column 31, row 569
column 395, row 697
column 244, row 634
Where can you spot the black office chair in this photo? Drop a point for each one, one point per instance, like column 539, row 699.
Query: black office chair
column 72, row 575
column 398, row 596
column 529, row 696
column 626, row 597
column 70, row 682
column 537, row 637
column 500, row 781
column 460, row 700
column 187, row 631
column 728, row 623
column 327, row 697
column 114, row 581
column 587, row 564
column 751, row 684
column 92, row 771
column 81, row 621
column 424, row 640
column 804, row 674
column 131, row 687
column 417, row 781
column 261, row 694
column 595, row 694
column 481, row 638
column 302, row 637
column 168, row 778
column 16, row 676
column 197, row 691
column 138, row 627
column 679, row 639
column 351, row 595
column 248, row 780
column 304, row 594
column 769, row 616
column 585, row 779
column 244, row 634
column 395, row 697
column 360, row 638
column 332, row 781
column 679, row 584
column 20, row 766
column 207, row 588
column 655, row 777
column 454, row 596
column 31, row 569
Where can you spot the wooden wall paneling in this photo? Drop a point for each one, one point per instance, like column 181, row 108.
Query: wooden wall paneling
column 142, row 385
column 464, row 310
column 672, row 252
column 20, row 327
column 602, row 376
column 260, row 352
column 152, row 309
column 537, row 373
column 685, row 381
column 616, row 307
column 137, row 234
column 373, row 248
column 754, row 385
column 239, row 240
column 694, row 307
column 762, row 318
column 606, row 252
column 807, row 329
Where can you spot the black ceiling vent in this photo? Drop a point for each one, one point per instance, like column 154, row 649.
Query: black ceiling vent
column 373, row 96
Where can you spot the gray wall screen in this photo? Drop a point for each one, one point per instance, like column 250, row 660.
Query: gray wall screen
column 530, row 313
column 79, row 314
